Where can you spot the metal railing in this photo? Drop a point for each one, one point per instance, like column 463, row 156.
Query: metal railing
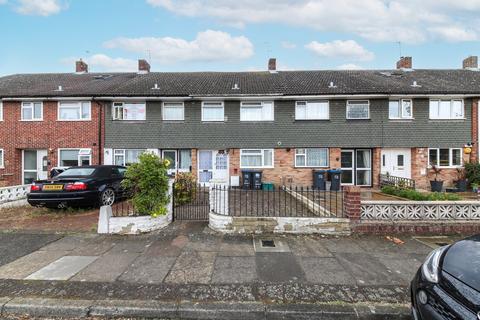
column 282, row 201
column 394, row 181
column 191, row 201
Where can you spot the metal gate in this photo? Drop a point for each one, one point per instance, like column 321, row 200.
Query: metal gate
column 191, row 202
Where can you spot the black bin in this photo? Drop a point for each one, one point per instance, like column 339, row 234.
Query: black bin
column 335, row 179
column 252, row 179
column 319, row 179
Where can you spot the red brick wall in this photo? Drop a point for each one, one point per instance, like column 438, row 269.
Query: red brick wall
column 48, row 134
column 284, row 170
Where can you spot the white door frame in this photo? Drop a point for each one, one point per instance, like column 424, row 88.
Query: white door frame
column 212, row 152
column 352, row 152
column 389, row 157
column 38, row 162
column 175, row 161
column 214, row 163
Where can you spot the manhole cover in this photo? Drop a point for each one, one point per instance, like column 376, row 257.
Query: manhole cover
column 268, row 243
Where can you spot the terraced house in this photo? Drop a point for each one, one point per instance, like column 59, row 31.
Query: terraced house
column 216, row 124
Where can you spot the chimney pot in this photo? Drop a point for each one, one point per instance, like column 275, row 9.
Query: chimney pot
column 81, row 66
column 404, row 63
column 470, row 63
column 272, row 64
column 143, row 66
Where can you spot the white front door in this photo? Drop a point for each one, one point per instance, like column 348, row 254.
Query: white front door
column 34, row 165
column 212, row 164
column 171, row 156
column 396, row 162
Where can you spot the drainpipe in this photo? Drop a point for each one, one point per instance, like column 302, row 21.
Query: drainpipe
column 100, row 119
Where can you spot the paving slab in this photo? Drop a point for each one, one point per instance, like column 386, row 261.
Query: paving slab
column 203, row 242
column 96, row 247
column 308, row 247
column 325, row 271
column 62, row 269
column 167, row 247
column 342, row 245
column 367, row 270
column 136, row 309
column 192, row 267
column 69, row 243
column 16, row 245
column 21, row 268
column 131, row 245
column 278, row 267
column 236, row 247
column 148, row 269
column 404, row 268
column 221, row 311
column 106, row 268
column 234, row 270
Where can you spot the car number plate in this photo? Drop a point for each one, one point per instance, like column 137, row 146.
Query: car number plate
column 53, row 187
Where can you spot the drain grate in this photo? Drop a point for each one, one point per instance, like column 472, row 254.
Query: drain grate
column 268, row 244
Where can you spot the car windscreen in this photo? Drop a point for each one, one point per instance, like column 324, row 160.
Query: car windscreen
column 76, row 172
column 463, row 262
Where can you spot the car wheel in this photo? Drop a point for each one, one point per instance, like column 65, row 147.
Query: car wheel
column 107, row 197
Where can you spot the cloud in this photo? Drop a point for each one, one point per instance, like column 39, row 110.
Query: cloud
column 208, row 46
column 454, row 33
column 288, row 45
column 410, row 21
column 38, row 7
column 349, row 66
column 3, row 2
column 101, row 62
column 340, row 49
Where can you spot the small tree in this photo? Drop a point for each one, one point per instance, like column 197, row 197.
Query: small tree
column 185, row 187
column 148, row 182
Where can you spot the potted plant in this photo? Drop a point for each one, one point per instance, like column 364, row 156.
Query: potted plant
column 436, row 185
column 474, row 187
column 461, row 182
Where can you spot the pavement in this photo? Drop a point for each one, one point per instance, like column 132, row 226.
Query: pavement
column 189, row 272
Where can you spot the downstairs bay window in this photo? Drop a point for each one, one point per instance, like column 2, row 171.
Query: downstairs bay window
column 256, row 158
column 125, row 157
column 445, row 157
column 311, row 157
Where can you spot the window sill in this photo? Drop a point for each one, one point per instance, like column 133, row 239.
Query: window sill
column 447, row 120
column 173, row 121
column 363, row 119
column 213, row 121
column 35, row 120
column 308, row 167
column 308, row 120
column 256, row 168
column 81, row 120
column 401, row 119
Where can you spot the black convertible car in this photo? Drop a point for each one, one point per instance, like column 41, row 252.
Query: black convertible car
column 79, row 186
column 447, row 285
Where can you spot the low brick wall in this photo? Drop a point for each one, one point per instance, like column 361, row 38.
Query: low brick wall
column 258, row 225
column 417, row 227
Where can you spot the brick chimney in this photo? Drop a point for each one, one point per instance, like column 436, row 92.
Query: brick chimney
column 81, row 66
column 143, row 66
column 470, row 63
column 272, row 64
column 404, row 63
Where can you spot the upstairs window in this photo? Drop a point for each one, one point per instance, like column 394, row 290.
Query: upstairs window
column 212, row 111
column 446, row 109
column 400, row 109
column 74, row 111
column 358, row 109
column 129, row 111
column 124, row 157
column 173, row 111
column 311, row 157
column 312, row 110
column 256, row 158
column 32, row 111
column 445, row 157
column 256, row 111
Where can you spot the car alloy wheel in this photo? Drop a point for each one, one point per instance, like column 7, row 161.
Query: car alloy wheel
column 108, row 197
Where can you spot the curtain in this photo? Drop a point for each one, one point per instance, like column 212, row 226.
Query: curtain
column 173, row 112
column 185, row 160
column 317, row 157
column 211, row 113
column 205, row 160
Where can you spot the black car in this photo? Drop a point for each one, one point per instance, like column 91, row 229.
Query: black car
column 447, row 285
column 79, row 186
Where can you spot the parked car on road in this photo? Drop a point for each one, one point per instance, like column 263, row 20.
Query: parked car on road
column 79, row 186
column 447, row 285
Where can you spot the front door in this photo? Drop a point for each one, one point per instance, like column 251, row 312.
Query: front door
column 171, row 156
column 205, row 166
column 356, row 166
column 35, row 165
column 220, row 172
column 396, row 162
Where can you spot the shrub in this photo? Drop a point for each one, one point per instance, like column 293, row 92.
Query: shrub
column 185, row 186
column 418, row 196
column 148, row 182
column 472, row 172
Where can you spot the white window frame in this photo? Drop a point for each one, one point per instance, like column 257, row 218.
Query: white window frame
column 261, row 104
column 79, row 103
column 297, row 105
column 179, row 104
column 216, row 102
column 262, row 154
column 305, row 156
column 121, row 104
column 2, row 159
column 451, row 109
column 59, row 160
column 31, row 105
column 349, row 105
column 400, row 108
column 450, row 158
column 1, row 111
column 123, row 153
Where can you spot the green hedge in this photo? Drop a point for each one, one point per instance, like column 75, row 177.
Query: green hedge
column 418, row 196
column 472, row 172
